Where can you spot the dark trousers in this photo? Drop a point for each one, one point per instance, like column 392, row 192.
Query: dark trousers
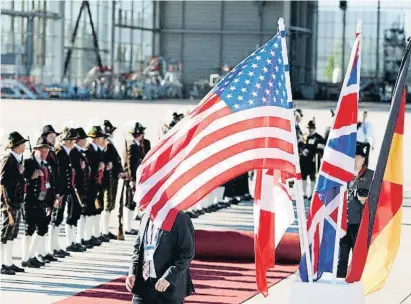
column 35, row 218
column 138, row 300
column 130, row 204
column 73, row 210
column 10, row 231
column 347, row 243
column 58, row 213
column 94, row 201
column 308, row 170
column 152, row 296
column 110, row 195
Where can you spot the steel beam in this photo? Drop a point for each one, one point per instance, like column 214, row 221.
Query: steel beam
column 232, row 32
column 76, row 48
column 40, row 14
column 135, row 27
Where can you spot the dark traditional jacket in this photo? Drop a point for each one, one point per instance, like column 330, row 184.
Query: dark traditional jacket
column 13, row 182
column 82, row 177
column 360, row 183
column 37, row 189
column 66, row 173
column 52, row 164
column 94, row 159
column 314, row 146
column 133, row 159
column 111, row 155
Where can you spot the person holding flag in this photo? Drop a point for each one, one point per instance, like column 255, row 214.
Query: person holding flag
column 357, row 196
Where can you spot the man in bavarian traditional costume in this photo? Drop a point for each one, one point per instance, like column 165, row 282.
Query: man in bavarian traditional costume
column 310, row 158
column 132, row 159
column 82, row 170
column 12, row 196
column 94, row 204
column 66, row 190
column 36, row 207
column 53, row 196
column 114, row 171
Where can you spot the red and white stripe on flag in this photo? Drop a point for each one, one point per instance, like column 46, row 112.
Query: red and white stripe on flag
column 273, row 214
column 207, row 148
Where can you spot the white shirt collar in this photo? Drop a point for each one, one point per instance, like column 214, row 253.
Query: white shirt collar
column 38, row 159
column 101, row 148
column 94, row 146
column 137, row 142
column 18, row 157
column 81, row 149
column 66, row 149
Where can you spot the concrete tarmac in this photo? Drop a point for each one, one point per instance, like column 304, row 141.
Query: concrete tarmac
column 110, row 261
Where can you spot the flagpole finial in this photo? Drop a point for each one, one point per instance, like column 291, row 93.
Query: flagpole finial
column 359, row 27
column 281, row 24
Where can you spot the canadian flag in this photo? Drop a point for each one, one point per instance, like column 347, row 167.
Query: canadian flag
column 273, row 214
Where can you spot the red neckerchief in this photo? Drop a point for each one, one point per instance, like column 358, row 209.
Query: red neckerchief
column 44, row 178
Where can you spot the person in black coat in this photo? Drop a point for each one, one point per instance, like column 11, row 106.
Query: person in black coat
column 133, row 158
column 53, row 197
column 114, row 171
column 358, row 190
column 37, row 207
column 82, row 179
column 66, row 189
column 12, row 195
column 160, row 266
column 310, row 158
column 94, row 204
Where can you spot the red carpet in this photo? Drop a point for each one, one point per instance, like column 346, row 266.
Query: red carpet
column 215, row 283
column 239, row 245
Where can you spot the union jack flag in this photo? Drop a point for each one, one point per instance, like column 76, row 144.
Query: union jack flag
column 337, row 169
column 244, row 123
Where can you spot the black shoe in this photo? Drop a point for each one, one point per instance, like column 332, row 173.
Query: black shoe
column 111, row 236
column 86, row 244
column 37, row 261
column 15, row 268
column 131, row 232
column 102, row 238
column 57, row 254
column 42, row 259
column 199, row 212
column 30, row 264
column 247, row 197
column 190, row 214
column 50, row 258
column 234, row 201
column 95, row 241
column 73, row 248
column 6, row 270
column 81, row 247
column 61, row 251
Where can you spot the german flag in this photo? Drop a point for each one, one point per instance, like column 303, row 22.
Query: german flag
column 378, row 238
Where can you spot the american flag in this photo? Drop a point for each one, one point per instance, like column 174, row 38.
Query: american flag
column 337, row 169
column 244, row 123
